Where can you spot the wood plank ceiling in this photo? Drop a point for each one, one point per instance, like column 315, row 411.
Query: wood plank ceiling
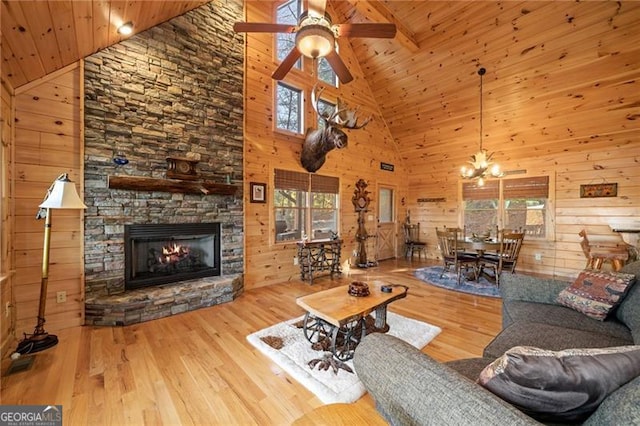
column 425, row 79
column 39, row 37
column 551, row 68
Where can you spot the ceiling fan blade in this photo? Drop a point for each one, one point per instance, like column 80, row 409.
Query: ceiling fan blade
column 367, row 30
column 317, row 8
column 286, row 64
column 339, row 67
column 262, row 27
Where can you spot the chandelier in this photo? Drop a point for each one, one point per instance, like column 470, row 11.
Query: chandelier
column 482, row 166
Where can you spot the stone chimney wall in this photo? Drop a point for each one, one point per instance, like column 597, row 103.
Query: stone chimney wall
column 175, row 90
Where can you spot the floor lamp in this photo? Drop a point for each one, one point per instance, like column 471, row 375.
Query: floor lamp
column 61, row 194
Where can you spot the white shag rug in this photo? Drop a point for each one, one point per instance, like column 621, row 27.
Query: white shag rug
column 294, row 356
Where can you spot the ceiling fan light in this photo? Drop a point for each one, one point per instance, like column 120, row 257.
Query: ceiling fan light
column 315, row 41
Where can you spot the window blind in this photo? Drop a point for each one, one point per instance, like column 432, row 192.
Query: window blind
column 531, row 187
column 472, row 191
column 325, row 184
column 286, row 179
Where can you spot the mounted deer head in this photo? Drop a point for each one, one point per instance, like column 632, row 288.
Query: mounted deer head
column 319, row 142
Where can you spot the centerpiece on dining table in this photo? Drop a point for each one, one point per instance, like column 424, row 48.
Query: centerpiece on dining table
column 486, row 236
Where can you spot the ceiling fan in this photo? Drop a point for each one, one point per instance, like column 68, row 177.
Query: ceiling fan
column 316, row 37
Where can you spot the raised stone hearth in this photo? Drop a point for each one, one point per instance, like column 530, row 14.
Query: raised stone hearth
column 161, row 301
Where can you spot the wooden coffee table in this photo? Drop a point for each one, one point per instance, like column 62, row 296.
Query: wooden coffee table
column 336, row 315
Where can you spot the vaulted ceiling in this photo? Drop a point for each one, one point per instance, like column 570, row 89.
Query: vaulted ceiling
column 545, row 61
column 39, row 37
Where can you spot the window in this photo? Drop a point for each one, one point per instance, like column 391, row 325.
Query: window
column 287, row 13
column 508, row 203
column 481, row 206
column 326, row 109
column 526, row 204
column 306, row 205
column 288, row 108
column 385, row 205
column 326, row 73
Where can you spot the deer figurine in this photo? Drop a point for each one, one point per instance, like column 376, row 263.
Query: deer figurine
column 319, row 142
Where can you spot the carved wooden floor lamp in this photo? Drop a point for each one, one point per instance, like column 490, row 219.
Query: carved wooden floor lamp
column 61, row 194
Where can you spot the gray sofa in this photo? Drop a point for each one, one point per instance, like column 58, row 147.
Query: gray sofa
column 410, row 388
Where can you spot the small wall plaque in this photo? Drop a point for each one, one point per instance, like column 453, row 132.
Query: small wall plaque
column 431, row 200
column 599, row 190
column 386, row 166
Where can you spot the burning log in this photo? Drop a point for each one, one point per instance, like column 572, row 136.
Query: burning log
column 174, row 257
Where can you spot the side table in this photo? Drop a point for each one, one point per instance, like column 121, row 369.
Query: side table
column 319, row 255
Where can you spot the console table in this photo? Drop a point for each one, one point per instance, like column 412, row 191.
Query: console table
column 319, row 255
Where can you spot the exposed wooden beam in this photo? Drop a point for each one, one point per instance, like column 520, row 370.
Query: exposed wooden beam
column 376, row 11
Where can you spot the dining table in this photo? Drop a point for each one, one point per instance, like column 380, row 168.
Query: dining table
column 480, row 246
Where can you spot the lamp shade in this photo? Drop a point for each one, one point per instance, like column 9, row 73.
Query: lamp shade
column 63, row 195
column 315, row 41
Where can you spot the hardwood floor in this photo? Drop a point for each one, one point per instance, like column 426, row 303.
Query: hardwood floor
column 197, row 368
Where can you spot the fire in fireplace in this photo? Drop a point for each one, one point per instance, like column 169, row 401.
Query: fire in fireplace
column 164, row 253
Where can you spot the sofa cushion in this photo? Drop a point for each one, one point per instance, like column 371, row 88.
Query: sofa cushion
column 629, row 310
column 595, row 293
column 551, row 337
column 560, row 386
column 562, row 316
column 411, row 388
column 620, row 408
column 469, row 367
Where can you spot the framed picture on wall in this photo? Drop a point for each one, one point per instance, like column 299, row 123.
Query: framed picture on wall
column 599, row 190
column 258, row 192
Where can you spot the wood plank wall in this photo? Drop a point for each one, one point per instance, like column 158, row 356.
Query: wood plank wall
column 7, row 318
column 266, row 261
column 48, row 142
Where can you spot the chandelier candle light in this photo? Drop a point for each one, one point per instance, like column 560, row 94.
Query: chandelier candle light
column 482, row 166
column 61, row 194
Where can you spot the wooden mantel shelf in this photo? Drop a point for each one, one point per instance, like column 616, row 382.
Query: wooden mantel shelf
column 138, row 183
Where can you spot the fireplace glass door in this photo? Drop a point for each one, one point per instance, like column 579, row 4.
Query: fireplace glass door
column 163, row 253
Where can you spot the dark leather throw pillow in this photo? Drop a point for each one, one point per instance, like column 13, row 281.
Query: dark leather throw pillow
column 563, row 386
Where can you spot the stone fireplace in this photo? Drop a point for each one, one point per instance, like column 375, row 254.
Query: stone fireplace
column 173, row 91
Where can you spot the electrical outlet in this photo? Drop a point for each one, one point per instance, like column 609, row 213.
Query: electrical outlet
column 295, row 260
column 61, row 296
column 538, row 257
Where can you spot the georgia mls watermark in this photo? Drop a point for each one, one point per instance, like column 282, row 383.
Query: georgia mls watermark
column 30, row 415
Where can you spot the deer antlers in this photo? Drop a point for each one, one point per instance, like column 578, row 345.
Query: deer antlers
column 342, row 117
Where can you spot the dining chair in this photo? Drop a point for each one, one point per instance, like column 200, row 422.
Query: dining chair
column 452, row 256
column 412, row 243
column 506, row 258
column 462, row 236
